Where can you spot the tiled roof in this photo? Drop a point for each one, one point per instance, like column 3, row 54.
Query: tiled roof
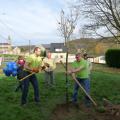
column 4, row 44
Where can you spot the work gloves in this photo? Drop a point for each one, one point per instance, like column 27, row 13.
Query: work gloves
column 36, row 70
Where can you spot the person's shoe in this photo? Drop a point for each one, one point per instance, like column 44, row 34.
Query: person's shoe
column 23, row 104
column 88, row 104
column 38, row 104
column 52, row 86
column 73, row 101
column 76, row 105
column 17, row 89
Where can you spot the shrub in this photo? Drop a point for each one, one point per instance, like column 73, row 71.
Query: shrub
column 112, row 57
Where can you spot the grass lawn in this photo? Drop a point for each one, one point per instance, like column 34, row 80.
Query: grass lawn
column 103, row 85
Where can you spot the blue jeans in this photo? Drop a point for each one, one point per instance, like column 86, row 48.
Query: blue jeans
column 34, row 82
column 86, row 85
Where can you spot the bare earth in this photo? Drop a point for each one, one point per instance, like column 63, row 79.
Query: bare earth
column 81, row 112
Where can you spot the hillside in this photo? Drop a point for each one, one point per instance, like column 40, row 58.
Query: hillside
column 92, row 46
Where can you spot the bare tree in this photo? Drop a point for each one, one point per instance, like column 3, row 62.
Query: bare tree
column 66, row 27
column 102, row 13
column 68, row 23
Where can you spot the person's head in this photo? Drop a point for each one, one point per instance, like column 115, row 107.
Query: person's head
column 78, row 56
column 20, row 57
column 48, row 55
column 85, row 56
column 21, row 60
column 37, row 51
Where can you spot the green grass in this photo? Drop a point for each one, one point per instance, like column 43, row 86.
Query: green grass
column 103, row 85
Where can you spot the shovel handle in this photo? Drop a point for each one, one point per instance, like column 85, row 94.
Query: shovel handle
column 95, row 104
column 26, row 76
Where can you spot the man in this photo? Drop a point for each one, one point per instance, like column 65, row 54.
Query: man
column 85, row 56
column 49, row 70
column 32, row 65
column 80, row 69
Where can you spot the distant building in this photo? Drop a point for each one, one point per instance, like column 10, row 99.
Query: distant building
column 5, row 48
column 99, row 59
column 16, row 50
column 58, row 51
column 57, row 48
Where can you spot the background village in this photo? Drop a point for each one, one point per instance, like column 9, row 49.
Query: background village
column 95, row 48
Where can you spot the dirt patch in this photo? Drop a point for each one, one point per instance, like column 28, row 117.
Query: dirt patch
column 72, row 111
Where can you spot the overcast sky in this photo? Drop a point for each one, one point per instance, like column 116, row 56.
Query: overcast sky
column 34, row 20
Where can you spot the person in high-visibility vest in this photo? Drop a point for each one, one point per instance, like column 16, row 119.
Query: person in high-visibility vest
column 80, row 68
column 32, row 65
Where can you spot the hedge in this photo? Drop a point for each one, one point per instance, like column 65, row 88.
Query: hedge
column 112, row 57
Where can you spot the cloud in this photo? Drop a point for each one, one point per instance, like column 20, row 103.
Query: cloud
column 30, row 19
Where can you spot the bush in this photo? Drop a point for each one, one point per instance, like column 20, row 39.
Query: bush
column 112, row 57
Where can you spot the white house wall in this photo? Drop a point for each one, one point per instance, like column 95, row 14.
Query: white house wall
column 62, row 57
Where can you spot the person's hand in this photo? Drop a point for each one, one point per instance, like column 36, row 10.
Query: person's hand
column 47, row 65
column 36, row 70
column 43, row 67
column 68, row 72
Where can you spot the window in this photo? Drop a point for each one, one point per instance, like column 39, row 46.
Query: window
column 58, row 50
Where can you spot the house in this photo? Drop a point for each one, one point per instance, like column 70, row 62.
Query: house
column 16, row 50
column 57, row 48
column 5, row 48
column 58, row 52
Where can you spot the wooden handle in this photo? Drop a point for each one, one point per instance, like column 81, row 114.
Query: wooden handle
column 26, row 77
column 85, row 91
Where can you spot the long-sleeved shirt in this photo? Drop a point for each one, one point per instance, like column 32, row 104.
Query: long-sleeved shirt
column 51, row 62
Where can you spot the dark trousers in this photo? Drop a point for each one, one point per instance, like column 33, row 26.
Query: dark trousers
column 20, row 86
column 86, row 85
column 20, row 75
column 49, row 78
column 34, row 82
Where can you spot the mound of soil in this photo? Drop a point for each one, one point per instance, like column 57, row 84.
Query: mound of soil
column 72, row 111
